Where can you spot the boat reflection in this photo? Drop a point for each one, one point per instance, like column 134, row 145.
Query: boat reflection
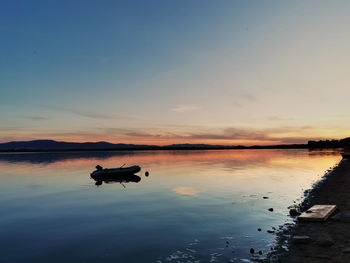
column 116, row 179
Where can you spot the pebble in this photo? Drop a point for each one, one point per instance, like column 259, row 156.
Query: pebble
column 260, row 252
column 270, row 209
column 252, row 251
column 146, row 173
column 270, row 231
column 301, row 239
column 294, row 212
column 265, row 197
column 259, row 229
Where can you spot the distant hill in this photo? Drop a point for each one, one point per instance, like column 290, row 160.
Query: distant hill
column 51, row 145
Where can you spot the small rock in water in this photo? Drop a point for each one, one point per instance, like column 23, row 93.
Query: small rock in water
column 252, row 251
column 227, row 242
column 265, row 197
column 294, row 212
column 301, row 239
column 270, row 209
column 270, row 231
column 259, row 229
column 146, row 173
column 260, row 252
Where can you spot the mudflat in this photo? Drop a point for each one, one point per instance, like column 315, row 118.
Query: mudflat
column 327, row 241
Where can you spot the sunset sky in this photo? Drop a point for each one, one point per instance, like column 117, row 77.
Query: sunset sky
column 162, row 72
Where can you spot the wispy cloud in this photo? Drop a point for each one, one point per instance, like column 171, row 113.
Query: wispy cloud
column 186, row 108
column 90, row 114
column 169, row 135
column 283, row 134
column 224, row 135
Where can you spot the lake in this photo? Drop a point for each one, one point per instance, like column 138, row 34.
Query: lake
column 195, row 206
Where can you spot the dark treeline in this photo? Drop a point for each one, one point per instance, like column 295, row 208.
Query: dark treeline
column 343, row 143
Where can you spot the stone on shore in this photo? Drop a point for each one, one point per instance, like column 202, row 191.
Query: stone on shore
column 301, row 239
column 332, row 189
column 294, row 212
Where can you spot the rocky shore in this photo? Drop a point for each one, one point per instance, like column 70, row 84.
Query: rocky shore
column 329, row 241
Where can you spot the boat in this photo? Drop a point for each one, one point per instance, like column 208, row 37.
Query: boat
column 122, row 171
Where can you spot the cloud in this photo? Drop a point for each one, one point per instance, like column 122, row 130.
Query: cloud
column 186, row 108
column 240, row 98
column 228, row 135
column 284, row 134
column 90, row 114
column 169, row 135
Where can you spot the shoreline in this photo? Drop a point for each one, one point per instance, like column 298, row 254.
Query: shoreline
column 170, row 148
column 165, row 148
column 329, row 240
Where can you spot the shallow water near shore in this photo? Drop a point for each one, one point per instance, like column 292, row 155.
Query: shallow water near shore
column 195, row 206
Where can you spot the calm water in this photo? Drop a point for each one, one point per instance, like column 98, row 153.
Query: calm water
column 195, row 206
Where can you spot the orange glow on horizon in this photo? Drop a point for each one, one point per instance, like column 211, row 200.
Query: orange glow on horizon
column 161, row 137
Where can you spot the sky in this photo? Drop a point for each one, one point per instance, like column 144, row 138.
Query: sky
column 166, row 71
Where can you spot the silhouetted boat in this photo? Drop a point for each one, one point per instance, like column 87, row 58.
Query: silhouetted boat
column 100, row 172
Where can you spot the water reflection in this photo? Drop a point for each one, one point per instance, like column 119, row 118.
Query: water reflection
column 196, row 206
column 232, row 156
column 116, row 179
column 186, row 190
column 52, row 157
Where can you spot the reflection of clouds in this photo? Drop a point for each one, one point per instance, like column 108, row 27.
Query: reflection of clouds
column 186, row 190
column 174, row 162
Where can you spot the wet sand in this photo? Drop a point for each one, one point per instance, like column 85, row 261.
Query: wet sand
column 329, row 240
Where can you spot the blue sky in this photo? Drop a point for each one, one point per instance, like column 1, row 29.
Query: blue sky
column 174, row 71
